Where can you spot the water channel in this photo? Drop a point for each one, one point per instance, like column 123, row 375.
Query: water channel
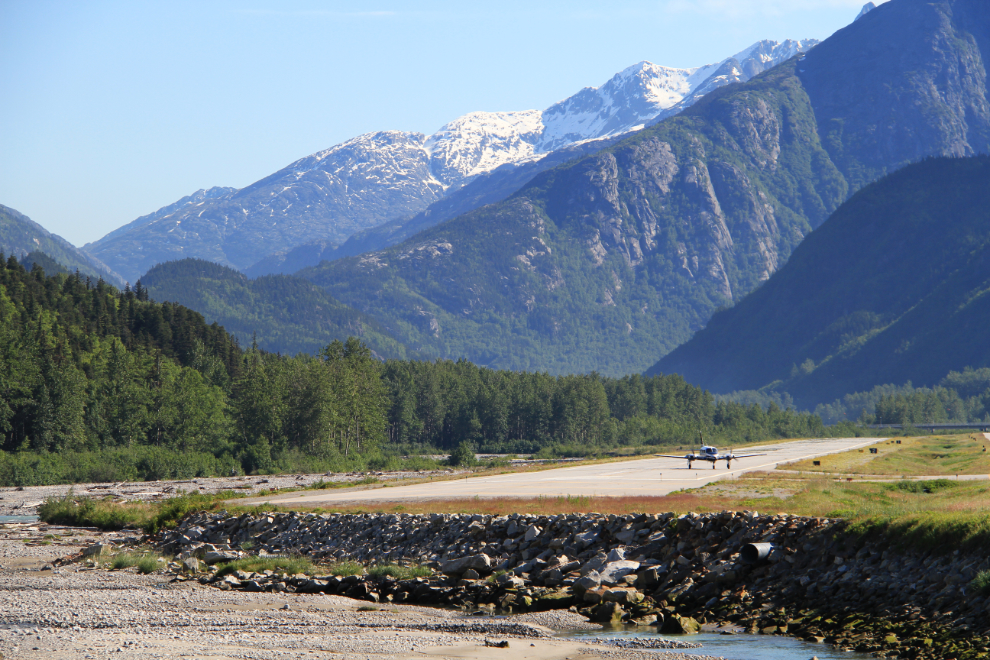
column 18, row 519
column 739, row 646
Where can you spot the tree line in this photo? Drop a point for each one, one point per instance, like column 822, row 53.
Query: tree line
column 960, row 397
column 98, row 382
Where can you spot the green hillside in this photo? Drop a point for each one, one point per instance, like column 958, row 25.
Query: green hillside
column 282, row 313
column 98, row 384
column 892, row 288
column 20, row 236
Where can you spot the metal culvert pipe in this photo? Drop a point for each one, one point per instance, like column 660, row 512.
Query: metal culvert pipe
column 754, row 552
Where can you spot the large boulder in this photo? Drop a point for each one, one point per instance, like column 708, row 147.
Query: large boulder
column 610, row 612
column 596, row 563
column 480, row 562
column 592, row 580
column 613, row 572
column 622, row 596
column 680, row 625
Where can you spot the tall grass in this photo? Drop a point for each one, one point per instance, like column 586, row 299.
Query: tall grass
column 105, row 513
column 399, row 572
column 146, row 562
column 287, row 565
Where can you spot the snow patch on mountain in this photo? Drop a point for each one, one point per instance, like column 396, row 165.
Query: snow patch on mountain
column 382, row 176
column 481, row 141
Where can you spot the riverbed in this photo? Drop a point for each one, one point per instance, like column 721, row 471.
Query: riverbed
column 736, row 646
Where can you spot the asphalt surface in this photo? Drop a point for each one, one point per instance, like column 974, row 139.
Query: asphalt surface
column 649, row 476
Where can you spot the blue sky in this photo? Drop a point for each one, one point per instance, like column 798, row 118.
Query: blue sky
column 114, row 109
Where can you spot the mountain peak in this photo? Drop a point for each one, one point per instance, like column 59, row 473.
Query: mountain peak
column 867, row 8
column 382, row 176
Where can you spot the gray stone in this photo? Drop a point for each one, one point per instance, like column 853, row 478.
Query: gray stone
column 509, row 581
column 95, row 550
column 216, row 557
column 584, row 539
column 592, row 580
column 481, row 563
column 613, row 572
column 622, row 596
column 190, row 564
column 616, row 554
column 594, row 564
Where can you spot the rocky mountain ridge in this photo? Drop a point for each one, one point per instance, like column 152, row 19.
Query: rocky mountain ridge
column 382, row 176
column 889, row 290
column 608, row 261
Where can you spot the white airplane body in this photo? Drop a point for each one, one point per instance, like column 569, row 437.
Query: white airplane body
column 710, row 454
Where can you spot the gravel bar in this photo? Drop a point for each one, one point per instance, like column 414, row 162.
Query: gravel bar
column 73, row 611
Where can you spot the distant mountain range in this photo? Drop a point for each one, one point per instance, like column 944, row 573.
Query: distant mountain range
column 608, row 253
column 892, row 288
column 610, row 261
column 325, row 198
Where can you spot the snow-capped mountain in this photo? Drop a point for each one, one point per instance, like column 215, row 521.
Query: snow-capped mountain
column 381, row 176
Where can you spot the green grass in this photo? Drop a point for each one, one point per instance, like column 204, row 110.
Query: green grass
column 345, row 568
column 108, row 514
column 496, row 575
column 399, row 572
column 326, row 485
column 145, row 562
column 287, row 565
column 920, row 456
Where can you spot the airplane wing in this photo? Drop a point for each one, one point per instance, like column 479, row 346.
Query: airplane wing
column 735, row 456
column 681, row 456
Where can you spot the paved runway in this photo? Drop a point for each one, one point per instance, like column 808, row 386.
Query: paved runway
column 649, row 476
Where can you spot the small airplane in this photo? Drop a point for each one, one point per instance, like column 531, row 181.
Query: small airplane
column 710, row 454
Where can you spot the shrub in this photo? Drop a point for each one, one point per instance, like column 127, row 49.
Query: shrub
column 463, row 456
column 981, row 583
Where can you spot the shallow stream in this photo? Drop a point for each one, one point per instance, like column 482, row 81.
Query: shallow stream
column 18, row 519
column 737, row 647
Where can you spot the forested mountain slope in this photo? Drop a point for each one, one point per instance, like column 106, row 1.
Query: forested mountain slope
column 282, row 313
column 20, row 236
column 98, row 384
column 892, row 288
column 607, row 262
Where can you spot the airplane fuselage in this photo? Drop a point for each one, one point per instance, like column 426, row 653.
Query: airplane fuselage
column 711, row 455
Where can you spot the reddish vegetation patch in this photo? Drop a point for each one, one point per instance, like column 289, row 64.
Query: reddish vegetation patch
column 677, row 502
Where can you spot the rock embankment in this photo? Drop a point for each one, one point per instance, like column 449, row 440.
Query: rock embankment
column 674, row 572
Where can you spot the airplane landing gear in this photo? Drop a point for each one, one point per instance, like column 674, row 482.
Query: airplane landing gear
column 713, row 465
column 689, row 465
